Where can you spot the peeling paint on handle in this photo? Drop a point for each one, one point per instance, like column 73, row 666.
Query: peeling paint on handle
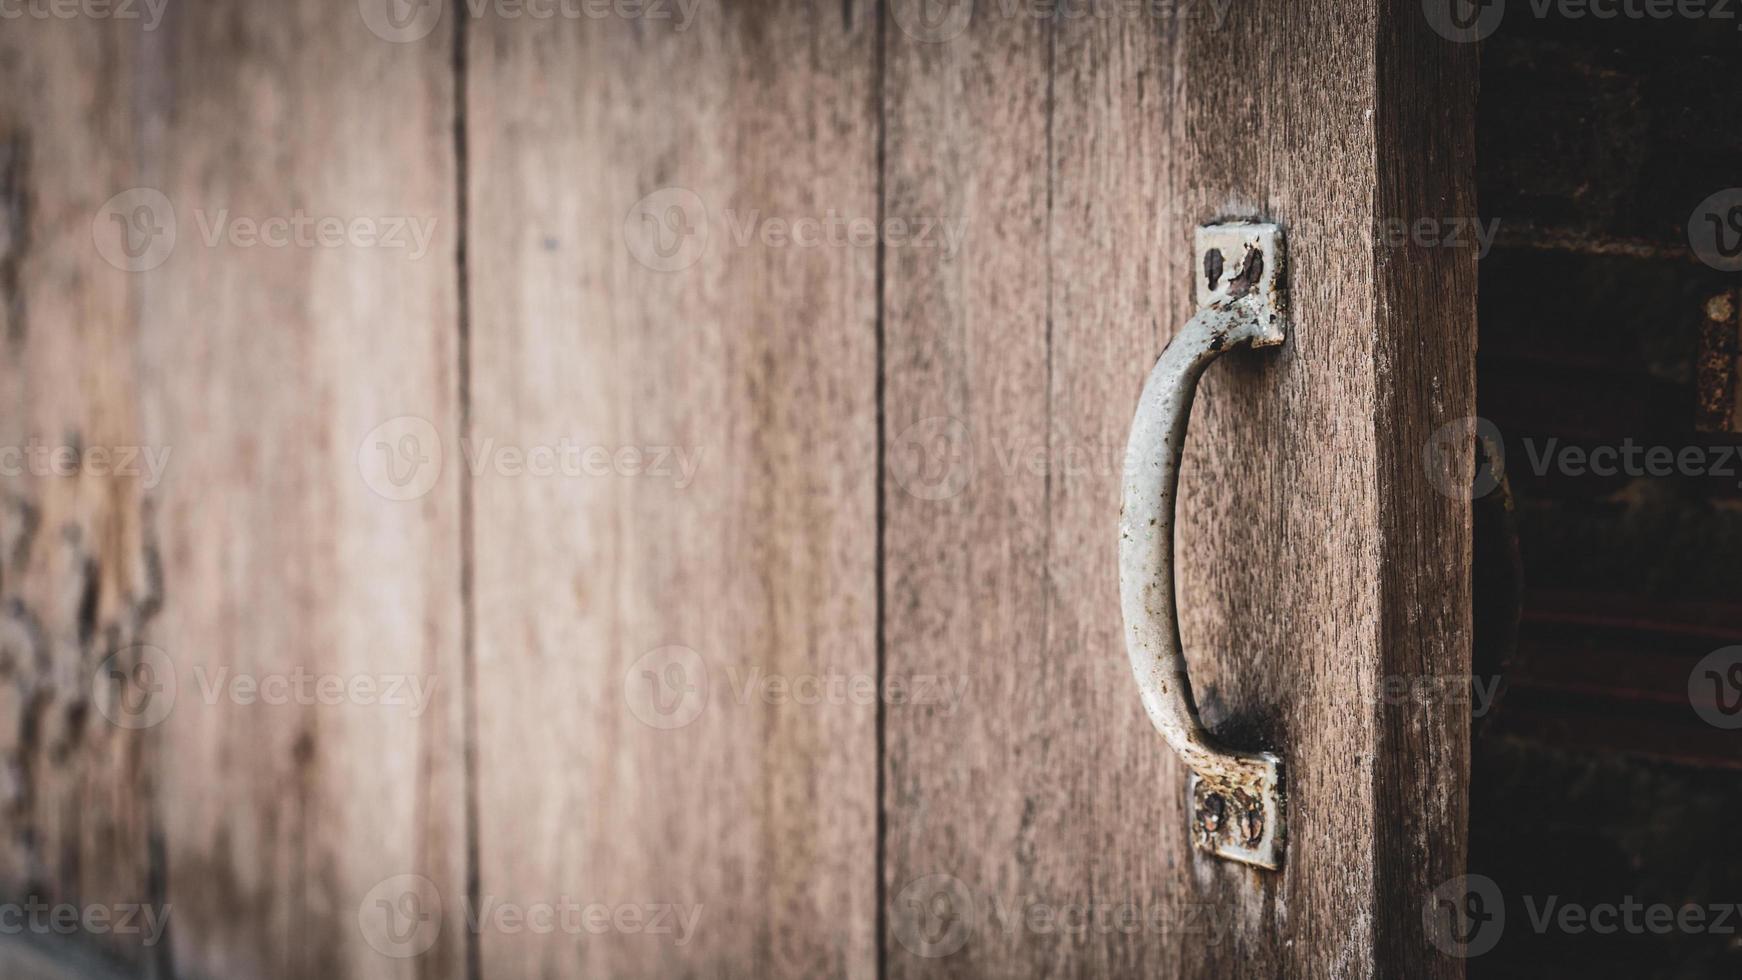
column 1237, row 806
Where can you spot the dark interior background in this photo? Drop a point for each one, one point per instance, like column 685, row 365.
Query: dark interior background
column 1593, row 779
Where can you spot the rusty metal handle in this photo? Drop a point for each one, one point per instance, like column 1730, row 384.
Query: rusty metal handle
column 1236, row 809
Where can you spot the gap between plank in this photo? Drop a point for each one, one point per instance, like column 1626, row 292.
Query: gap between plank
column 468, row 611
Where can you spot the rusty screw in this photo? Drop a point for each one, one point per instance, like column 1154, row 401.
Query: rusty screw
column 1211, row 812
column 1253, row 823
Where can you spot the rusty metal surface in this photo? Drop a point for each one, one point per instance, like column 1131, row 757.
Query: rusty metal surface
column 1715, row 367
column 1237, row 805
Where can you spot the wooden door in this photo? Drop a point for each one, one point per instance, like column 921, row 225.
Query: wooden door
column 767, row 370
column 1317, row 559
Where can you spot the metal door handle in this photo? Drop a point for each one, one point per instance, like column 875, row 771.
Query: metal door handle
column 1236, row 806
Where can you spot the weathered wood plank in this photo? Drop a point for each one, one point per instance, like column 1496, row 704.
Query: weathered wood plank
column 971, row 824
column 1317, row 558
column 260, row 358
column 75, row 576
column 285, row 548
column 1076, row 155
column 628, row 617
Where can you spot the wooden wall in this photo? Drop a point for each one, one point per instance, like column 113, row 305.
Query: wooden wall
column 647, row 493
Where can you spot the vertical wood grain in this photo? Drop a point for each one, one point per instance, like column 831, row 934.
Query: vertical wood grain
column 675, row 620
column 630, row 751
column 1317, row 558
column 264, row 553
column 967, row 541
column 271, row 371
column 76, row 548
